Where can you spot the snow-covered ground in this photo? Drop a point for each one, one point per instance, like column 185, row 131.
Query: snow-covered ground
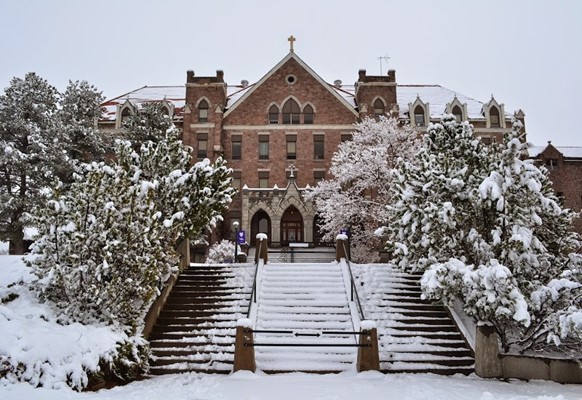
column 28, row 331
column 345, row 386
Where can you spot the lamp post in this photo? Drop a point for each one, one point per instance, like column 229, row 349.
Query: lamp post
column 235, row 224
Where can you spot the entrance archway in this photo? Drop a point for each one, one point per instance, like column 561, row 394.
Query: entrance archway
column 291, row 226
column 260, row 223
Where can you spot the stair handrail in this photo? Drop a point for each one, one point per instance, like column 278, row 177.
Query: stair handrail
column 258, row 261
column 354, row 291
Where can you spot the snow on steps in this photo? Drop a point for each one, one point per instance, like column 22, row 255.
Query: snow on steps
column 305, row 299
column 414, row 335
column 195, row 331
column 315, row 255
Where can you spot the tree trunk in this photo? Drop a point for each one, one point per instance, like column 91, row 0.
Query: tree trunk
column 17, row 242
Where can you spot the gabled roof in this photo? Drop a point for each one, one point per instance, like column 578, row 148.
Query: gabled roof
column 566, row 151
column 233, row 103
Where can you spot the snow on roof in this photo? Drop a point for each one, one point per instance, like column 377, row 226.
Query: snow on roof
column 567, row 151
column 438, row 97
column 175, row 95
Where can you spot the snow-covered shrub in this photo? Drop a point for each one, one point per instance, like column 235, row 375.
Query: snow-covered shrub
column 108, row 244
column 462, row 204
column 221, row 253
column 359, row 188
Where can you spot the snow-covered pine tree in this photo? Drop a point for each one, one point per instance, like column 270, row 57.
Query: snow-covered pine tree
column 79, row 111
column 485, row 226
column 34, row 152
column 147, row 123
column 109, row 242
column 356, row 194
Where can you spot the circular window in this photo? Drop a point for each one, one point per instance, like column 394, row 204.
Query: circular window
column 291, row 79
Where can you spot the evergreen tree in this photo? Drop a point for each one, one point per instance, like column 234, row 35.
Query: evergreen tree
column 33, row 152
column 148, row 123
column 109, row 242
column 485, row 226
column 79, row 112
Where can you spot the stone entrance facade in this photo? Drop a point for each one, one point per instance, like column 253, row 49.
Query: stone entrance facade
column 282, row 214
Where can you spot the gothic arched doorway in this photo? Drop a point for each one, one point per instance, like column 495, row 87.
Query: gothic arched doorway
column 291, row 226
column 260, row 223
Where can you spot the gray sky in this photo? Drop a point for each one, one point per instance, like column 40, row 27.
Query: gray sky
column 528, row 54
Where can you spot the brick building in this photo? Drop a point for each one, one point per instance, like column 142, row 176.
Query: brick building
column 279, row 134
column 565, row 167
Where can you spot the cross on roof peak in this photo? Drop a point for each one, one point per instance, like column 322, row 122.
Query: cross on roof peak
column 291, row 39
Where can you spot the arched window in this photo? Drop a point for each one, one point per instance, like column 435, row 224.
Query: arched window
column 125, row 114
column 378, row 107
column 419, row 116
column 203, row 111
column 494, row 117
column 458, row 113
column 308, row 114
column 273, row 115
column 291, row 112
column 165, row 110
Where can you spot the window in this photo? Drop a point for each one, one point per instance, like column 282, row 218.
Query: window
column 458, row 113
column 551, row 163
column 203, row 111
column 318, row 176
column 378, row 107
column 263, row 147
column 291, row 147
column 236, row 147
column 273, row 115
column 264, row 179
column 236, row 180
column 419, row 116
column 308, row 115
column 318, row 147
column 346, row 137
column 494, row 117
column 125, row 114
column 291, row 112
column 202, row 151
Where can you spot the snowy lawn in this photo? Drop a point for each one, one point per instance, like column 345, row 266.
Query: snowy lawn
column 345, row 386
column 37, row 349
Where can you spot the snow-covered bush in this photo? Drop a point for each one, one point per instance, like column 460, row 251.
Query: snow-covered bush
column 108, row 244
column 221, row 253
column 484, row 224
column 356, row 194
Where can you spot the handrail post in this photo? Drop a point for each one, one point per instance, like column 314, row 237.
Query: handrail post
column 368, row 356
column 244, row 350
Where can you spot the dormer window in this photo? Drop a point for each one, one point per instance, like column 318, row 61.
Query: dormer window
column 551, row 163
column 458, row 113
column 308, row 114
column 378, row 107
column 419, row 116
column 494, row 117
column 273, row 115
column 203, row 111
column 125, row 114
column 291, row 112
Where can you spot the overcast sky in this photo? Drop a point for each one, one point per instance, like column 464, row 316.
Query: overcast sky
column 527, row 53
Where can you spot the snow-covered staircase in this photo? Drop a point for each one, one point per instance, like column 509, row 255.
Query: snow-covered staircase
column 195, row 330
column 308, row 301
column 414, row 335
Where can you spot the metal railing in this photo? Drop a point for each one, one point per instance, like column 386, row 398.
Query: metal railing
column 253, row 299
column 354, row 291
column 306, row 334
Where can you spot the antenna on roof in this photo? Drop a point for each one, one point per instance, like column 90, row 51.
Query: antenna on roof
column 384, row 58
